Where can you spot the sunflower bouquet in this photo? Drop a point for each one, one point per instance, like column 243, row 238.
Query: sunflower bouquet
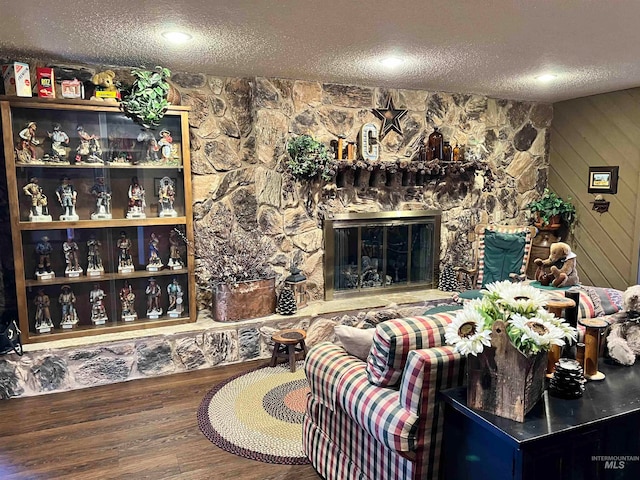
column 531, row 329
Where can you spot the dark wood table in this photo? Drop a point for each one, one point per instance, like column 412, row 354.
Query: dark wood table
column 585, row 438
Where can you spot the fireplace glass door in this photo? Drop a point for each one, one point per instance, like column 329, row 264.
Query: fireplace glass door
column 372, row 254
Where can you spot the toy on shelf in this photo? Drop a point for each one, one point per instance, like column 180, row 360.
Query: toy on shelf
column 153, row 292
column 59, row 143
column 94, row 257
column 89, row 149
column 67, row 196
column 120, row 146
column 98, row 310
column 136, row 200
column 167, row 195
column 43, row 251
column 175, row 293
column 67, row 301
column 127, row 301
column 70, row 249
column 154, row 262
column 149, row 146
column 39, row 204
column 125, row 261
column 102, row 194
column 43, row 314
column 175, row 260
column 166, row 145
column 106, row 89
column 26, row 151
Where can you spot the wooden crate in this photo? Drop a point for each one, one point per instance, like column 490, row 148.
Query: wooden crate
column 503, row 381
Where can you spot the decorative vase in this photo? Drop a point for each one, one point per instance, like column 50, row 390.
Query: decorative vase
column 252, row 299
column 434, row 148
column 555, row 222
column 173, row 97
column 502, row 380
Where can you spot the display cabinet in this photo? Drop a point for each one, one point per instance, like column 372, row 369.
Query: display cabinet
column 101, row 218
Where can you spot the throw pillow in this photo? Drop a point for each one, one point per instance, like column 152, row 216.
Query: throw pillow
column 356, row 341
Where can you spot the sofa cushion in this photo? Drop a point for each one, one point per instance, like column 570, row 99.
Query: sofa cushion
column 503, row 255
column 393, row 341
column 356, row 341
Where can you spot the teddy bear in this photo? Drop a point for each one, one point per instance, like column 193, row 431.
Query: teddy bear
column 623, row 341
column 105, row 82
column 560, row 269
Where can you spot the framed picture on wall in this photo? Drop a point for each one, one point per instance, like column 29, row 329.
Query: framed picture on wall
column 603, row 179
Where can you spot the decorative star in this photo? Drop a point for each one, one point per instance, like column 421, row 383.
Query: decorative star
column 390, row 117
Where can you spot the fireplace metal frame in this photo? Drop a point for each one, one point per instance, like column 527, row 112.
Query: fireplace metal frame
column 382, row 219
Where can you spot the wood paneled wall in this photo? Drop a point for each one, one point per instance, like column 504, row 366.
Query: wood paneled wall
column 596, row 131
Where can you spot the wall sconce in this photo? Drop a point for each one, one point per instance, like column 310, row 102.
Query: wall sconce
column 600, row 205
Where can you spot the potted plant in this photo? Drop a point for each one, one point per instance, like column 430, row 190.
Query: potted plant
column 551, row 210
column 236, row 263
column 309, row 158
column 147, row 100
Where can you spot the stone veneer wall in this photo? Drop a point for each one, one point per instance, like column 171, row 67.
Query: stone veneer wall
column 239, row 130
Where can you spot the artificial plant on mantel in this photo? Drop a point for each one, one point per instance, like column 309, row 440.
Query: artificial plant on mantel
column 147, row 101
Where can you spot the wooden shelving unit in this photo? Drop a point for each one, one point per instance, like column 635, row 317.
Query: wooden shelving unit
column 116, row 134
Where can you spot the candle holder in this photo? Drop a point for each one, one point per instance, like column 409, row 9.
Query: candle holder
column 556, row 306
column 592, row 346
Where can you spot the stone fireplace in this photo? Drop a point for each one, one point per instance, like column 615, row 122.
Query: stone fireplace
column 373, row 251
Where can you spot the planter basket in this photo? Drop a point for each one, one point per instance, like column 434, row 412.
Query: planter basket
column 502, row 381
column 256, row 298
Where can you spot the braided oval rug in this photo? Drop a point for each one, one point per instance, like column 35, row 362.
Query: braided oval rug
column 258, row 415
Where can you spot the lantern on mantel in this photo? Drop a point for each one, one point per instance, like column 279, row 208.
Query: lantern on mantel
column 297, row 282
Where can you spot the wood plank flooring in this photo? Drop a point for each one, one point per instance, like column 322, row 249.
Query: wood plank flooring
column 142, row 429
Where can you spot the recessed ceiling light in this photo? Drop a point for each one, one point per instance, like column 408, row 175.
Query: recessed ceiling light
column 176, row 36
column 547, row 77
column 391, row 62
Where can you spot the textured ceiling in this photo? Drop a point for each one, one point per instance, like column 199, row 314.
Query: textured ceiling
column 491, row 47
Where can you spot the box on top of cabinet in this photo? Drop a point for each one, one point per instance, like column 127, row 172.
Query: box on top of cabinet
column 16, row 79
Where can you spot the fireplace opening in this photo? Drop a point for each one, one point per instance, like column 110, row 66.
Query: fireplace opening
column 369, row 252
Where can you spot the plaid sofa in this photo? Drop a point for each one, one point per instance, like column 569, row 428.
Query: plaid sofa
column 381, row 419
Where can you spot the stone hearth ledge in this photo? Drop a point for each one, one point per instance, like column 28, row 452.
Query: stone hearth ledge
column 82, row 362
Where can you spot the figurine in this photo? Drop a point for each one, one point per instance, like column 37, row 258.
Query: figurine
column 67, row 196
column 175, row 261
column 94, row 258
column 165, row 144
column 89, row 149
column 59, row 141
column 125, row 261
column 136, row 200
column 106, row 89
column 27, row 152
column 149, row 146
column 43, row 250
column 127, row 300
column 175, row 292
column 102, row 194
column 43, row 315
column 68, row 302
column 70, row 249
column 120, row 146
column 155, row 262
column 167, row 195
column 153, row 292
column 39, row 204
column 98, row 311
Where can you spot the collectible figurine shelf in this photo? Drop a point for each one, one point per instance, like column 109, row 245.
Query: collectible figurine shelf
column 101, row 218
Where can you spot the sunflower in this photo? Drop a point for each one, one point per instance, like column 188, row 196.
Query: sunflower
column 532, row 335
column 568, row 332
column 521, row 298
column 467, row 332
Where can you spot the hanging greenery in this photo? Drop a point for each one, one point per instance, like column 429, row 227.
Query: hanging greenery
column 147, row 102
column 309, row 158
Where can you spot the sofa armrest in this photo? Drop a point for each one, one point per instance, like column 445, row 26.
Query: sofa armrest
column 324, row 365
column 428, row 371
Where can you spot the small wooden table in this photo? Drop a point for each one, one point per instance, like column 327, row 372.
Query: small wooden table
column 286, row 344
column 556, row 306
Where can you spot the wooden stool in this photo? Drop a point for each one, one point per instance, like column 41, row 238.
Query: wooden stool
column 286, row 343
column 556, row 307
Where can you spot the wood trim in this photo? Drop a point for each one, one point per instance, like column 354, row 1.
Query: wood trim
column 119, row 222
column 71, row 104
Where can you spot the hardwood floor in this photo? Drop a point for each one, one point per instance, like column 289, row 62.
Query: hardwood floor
column 142, row 429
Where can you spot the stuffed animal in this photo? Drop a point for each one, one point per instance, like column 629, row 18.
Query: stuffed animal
column 561, row 265
column 623, row 342
column 105, row 82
